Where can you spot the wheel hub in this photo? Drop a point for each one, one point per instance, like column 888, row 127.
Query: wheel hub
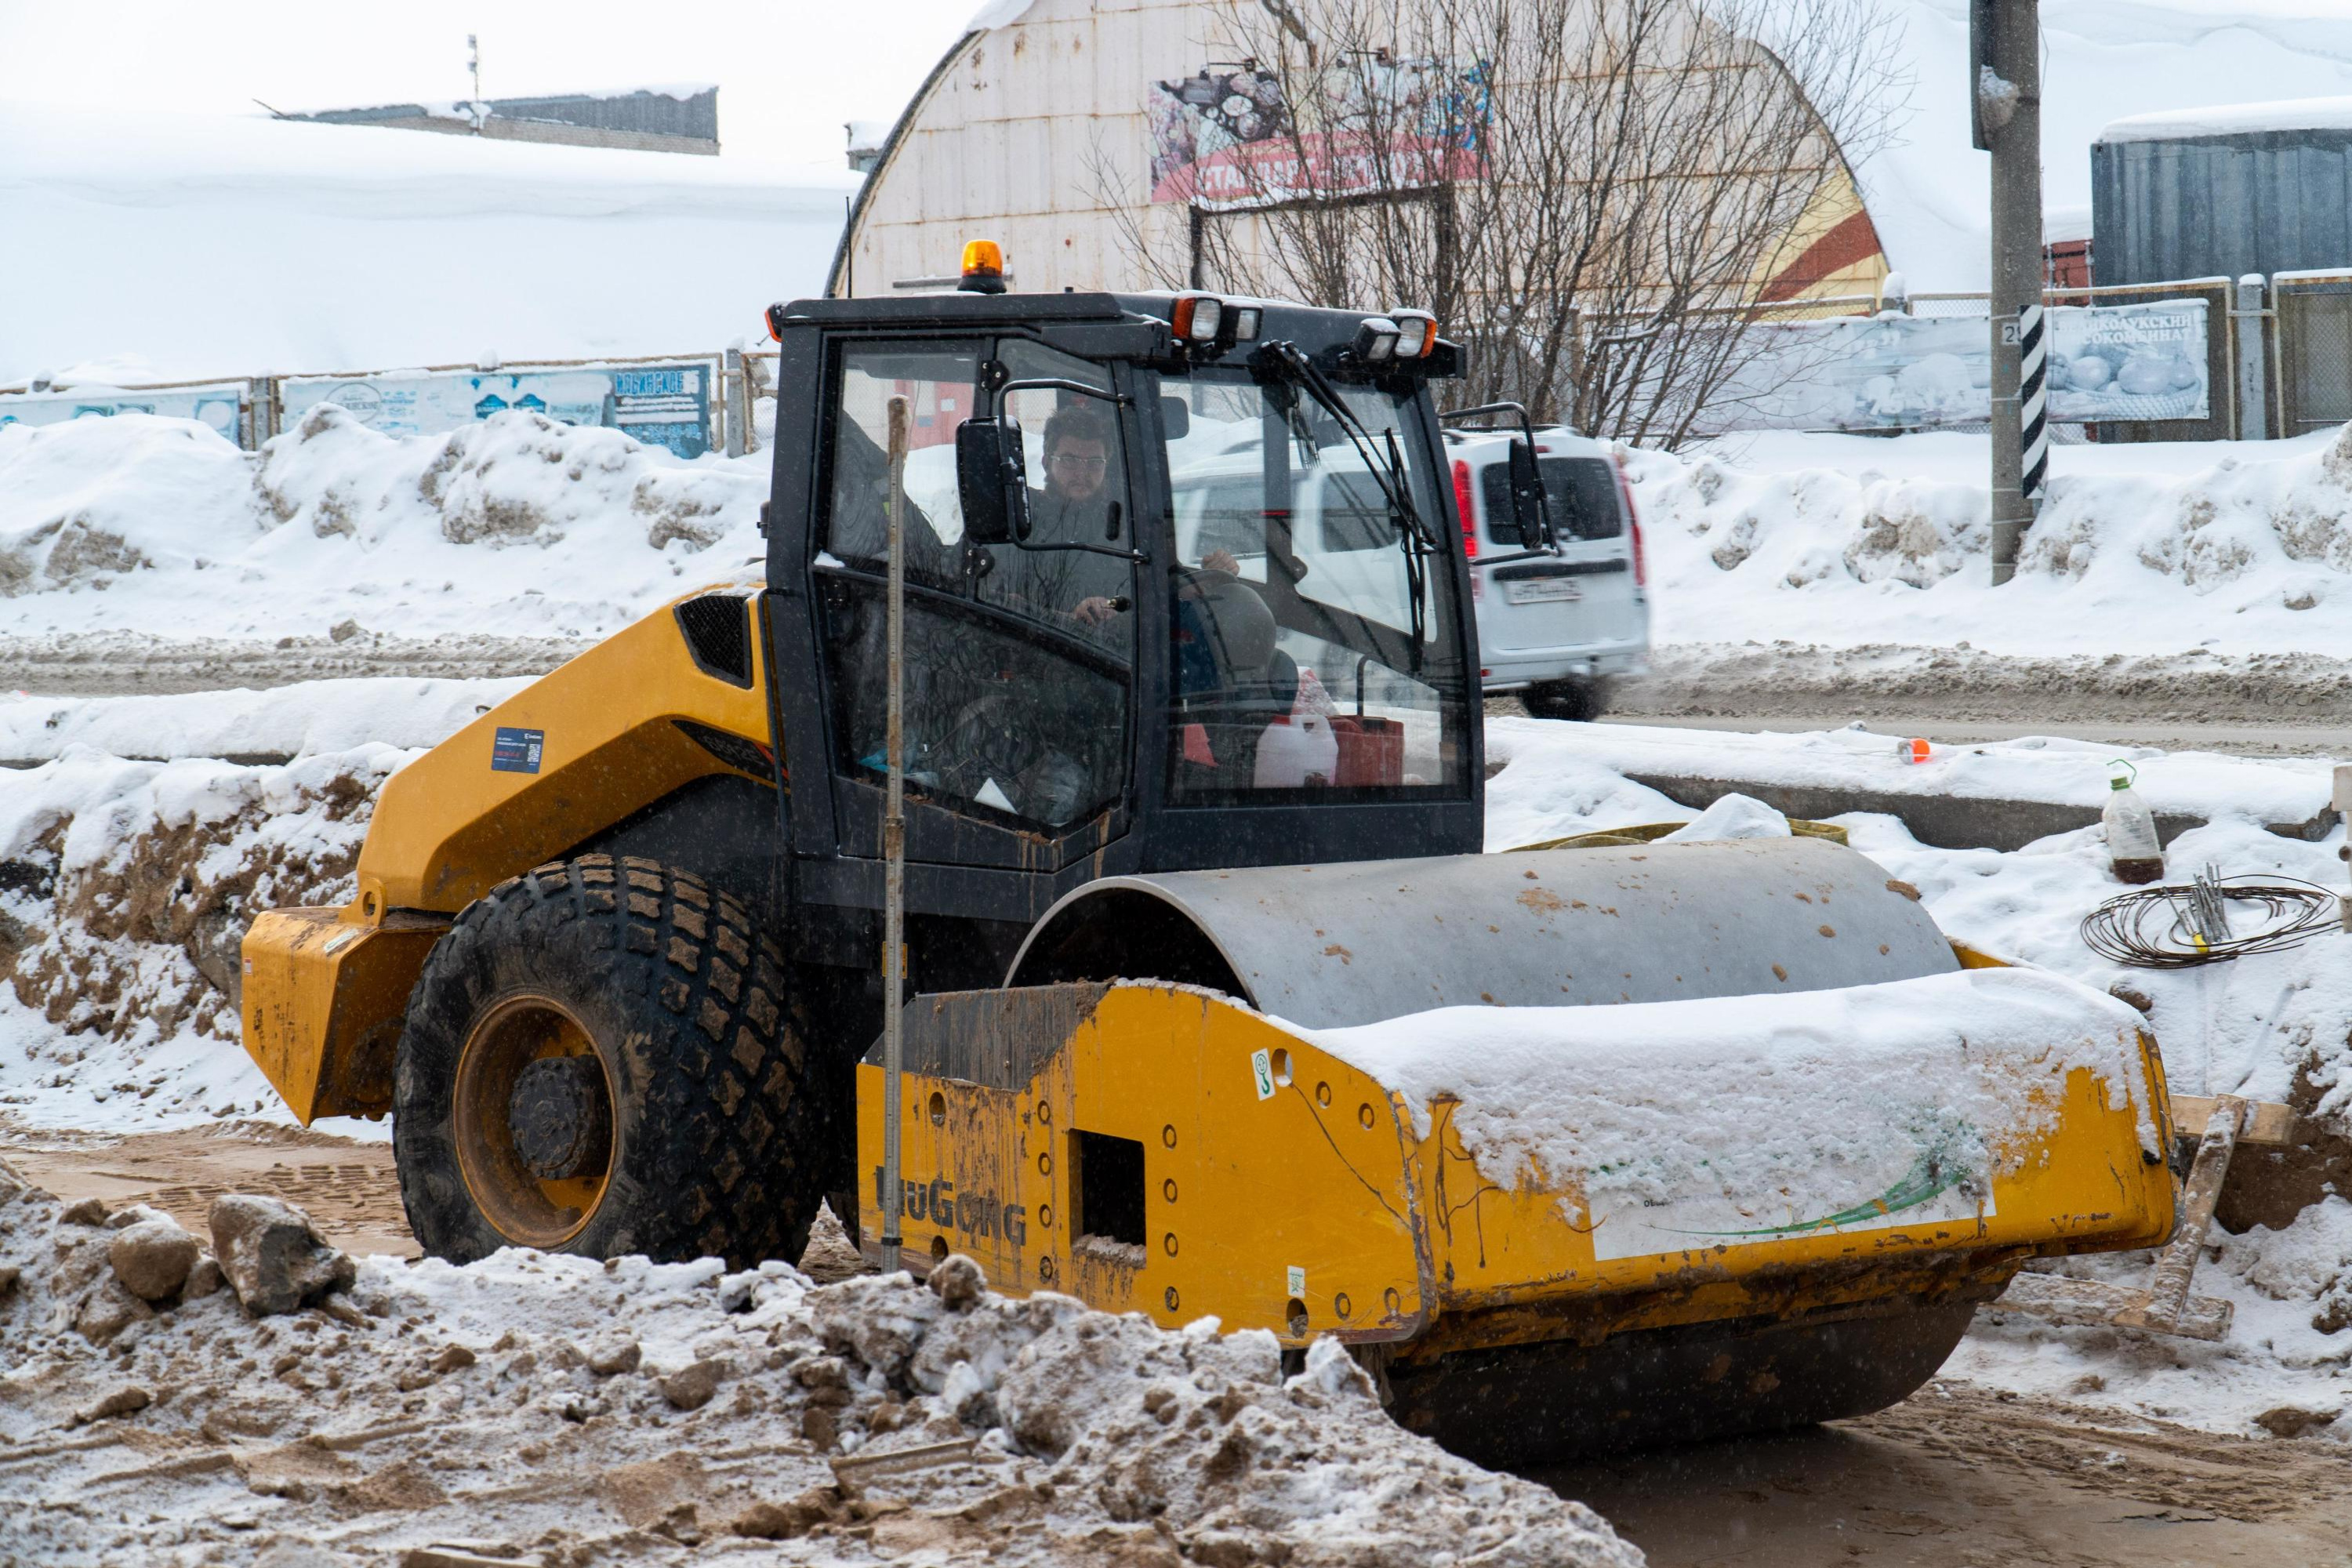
column 557, row 1118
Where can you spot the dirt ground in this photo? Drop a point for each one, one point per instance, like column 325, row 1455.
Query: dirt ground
column 1963, row 1477
column 1959, row 1475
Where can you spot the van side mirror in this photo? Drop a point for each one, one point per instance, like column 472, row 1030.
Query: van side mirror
column 990, row 480
column 1526, row 498
column 1175, row 418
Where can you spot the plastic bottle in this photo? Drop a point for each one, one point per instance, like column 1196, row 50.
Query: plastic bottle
column 2133, row 848
column 1295, row 751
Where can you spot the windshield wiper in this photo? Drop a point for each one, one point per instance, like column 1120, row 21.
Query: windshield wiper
column 1413, row 539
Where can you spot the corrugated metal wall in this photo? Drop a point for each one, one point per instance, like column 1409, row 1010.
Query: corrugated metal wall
column 2205, row 206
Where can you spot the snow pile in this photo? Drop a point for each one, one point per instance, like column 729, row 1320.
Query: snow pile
column 1814, row 1102
column 2288, row 791
column 182, row 246
column 569, row 1409
column 517, row 525
column 125, row 889
column 1847, row 540
column 286, row 722
column 1733, row 817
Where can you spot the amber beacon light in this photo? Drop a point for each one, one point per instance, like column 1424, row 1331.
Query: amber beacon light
column 983, row 267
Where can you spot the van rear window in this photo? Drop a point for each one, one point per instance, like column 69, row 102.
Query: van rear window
column 1581, row 491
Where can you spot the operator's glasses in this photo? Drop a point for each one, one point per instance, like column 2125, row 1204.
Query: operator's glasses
column 1078, row 464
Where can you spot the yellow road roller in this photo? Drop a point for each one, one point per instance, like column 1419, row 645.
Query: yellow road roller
column 1209, row 1004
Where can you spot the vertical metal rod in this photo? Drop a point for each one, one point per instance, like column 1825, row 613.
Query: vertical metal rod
column 894, row 853
column 2254, row 383
column 735, row 401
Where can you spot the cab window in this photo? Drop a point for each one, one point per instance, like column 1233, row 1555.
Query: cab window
column 1018, row 662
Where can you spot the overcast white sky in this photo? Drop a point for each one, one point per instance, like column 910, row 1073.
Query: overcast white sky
column 789, row 71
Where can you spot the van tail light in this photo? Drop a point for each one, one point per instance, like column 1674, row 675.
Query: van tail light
column 1632, row 520
column 1462, row 503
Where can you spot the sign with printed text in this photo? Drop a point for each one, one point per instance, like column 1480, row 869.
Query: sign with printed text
column 216, row 406
column 517, row 751
column 1891, row 371
column 666, row 405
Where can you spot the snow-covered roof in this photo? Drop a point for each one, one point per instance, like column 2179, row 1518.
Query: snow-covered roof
column 169, row 246
column 2232, row 120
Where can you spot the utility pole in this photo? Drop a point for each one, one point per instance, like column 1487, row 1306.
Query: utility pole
column 473, row 64
column 2005, row 87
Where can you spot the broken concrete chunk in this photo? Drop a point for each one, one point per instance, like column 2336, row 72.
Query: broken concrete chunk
column 137, row 1214
column 690, row 1387
column 109, row 1309
column 958, row 1282
column 89, row 1211
column 120, row 1402
column 2287, row 1421
column 609, row 1361
column 274, row 1259
column 205, row 1276
column 452, row 1358
column 9, row 1274
column 153, row 1257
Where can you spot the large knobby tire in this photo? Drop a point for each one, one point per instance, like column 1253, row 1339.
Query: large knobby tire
column 680, row 1121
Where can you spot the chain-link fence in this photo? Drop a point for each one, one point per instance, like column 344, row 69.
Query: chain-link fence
column 2310, row 339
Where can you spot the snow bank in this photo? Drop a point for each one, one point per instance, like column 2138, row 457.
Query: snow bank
column 2043, row 768
column 1914, row 1093
column 576, row 1409
column 170, row 247
column 2158, row 548
column 517, row 525
column 125, row 889
column 304, row 720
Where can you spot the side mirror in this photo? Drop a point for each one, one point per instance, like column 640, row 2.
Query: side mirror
column 1175, row 418
column 1526, row 498
column 990, row 482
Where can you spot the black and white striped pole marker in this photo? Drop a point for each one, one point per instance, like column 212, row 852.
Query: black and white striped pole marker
column 2033, row 402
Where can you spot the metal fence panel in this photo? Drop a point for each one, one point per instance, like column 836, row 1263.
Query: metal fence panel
column 2314, row 356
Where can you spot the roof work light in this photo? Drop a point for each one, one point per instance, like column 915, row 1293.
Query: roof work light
column 1198, row 317
column 1416, row 332
column 1376, row 340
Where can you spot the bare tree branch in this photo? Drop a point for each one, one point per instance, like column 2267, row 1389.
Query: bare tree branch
column 1600, row 199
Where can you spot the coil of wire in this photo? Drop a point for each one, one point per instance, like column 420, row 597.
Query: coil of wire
column 2175, row 927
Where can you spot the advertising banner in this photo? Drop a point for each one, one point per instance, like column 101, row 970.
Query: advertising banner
column 2141, row 361
column 212, row 405
column 1232, row 138
column 661, row 405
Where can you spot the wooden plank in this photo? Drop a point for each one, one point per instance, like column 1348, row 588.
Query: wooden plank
column 2088, row 1303
column 2268, row 1123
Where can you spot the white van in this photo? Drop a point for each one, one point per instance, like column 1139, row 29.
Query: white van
column 1555, row 630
